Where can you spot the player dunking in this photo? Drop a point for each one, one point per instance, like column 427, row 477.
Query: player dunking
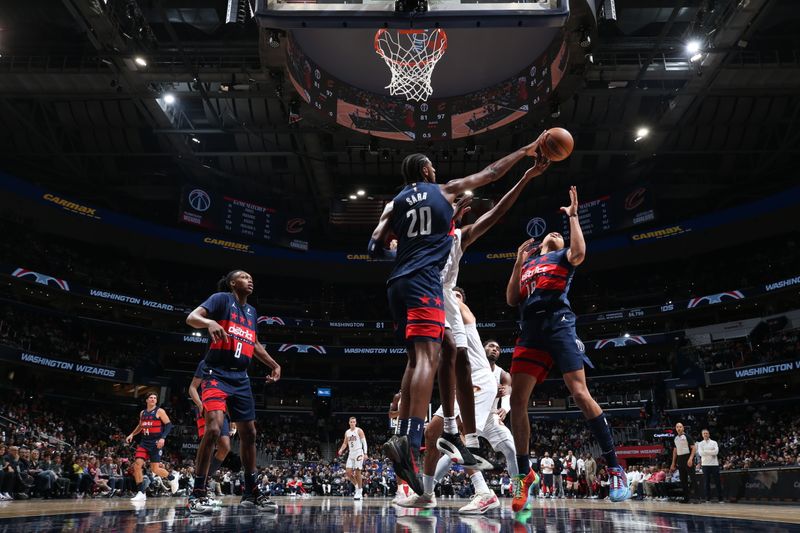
column 154, row 425
column 539, row 285
column 356, row 442
column 421, row 218
column 224, row 440
column 455, row 362
column 231, row 323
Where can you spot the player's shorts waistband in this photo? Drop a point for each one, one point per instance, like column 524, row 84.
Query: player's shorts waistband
column 237, row 372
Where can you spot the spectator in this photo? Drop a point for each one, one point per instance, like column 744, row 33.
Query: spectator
column 708, row 450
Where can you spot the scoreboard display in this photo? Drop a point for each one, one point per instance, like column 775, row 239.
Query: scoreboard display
column 241, row 218
column 601, row 215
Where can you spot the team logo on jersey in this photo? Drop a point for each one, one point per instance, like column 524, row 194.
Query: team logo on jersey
column 619, row 342
column 712, row 299
column 536, row 227
column 271, row 320
column 199, row 200
column 302, row 348
column 43, row 279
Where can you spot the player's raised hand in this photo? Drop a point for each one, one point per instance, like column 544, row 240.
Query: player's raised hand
column 572, row 209
column 532, row 150
column 216, row 331
column 525, row 250
column 462, row 206
column 542, row 164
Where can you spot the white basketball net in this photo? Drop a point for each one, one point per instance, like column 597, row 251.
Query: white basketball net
column 411, row 55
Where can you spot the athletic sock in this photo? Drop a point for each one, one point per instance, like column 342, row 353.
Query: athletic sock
column 472, row 440
column 249, row 482
column 442, row 468
column 523, row 464
column 402, row 428
column 450, row 425
column 199, row 486
column 415, row 430
column 428, row 484
column 215, row 464
column 599, row 428
column 478, row 483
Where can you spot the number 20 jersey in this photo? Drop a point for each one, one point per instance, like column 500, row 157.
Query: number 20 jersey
column 239, row 322
column 422, row 220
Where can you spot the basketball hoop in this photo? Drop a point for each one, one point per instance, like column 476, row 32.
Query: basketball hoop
column 411, row 55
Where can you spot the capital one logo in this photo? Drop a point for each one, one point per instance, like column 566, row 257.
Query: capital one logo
column 536, row 227
column 712, row 299
column 271, row 320
column 302, row 348
column 43, row 279
column 199, row 200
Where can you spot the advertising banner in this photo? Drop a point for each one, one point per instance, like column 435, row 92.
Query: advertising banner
column 752, row 372
column 14, row 355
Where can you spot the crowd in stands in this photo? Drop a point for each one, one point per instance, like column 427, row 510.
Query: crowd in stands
column 780, row 346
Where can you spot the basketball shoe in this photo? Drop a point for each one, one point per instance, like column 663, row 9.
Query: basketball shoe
column 481, row 503
column 618, row 484
column 520, row 490
column 405, row 460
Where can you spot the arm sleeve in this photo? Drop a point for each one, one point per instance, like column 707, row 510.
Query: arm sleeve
column 166, row 430
column 364, row 445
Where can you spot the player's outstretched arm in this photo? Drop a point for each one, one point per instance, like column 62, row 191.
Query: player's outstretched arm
column 491, row 173
column 263, row 356
column 343, row 447
column 466, row 313
column 376, row 249
column 512, row 289
column 473, row 232
column 577, row 244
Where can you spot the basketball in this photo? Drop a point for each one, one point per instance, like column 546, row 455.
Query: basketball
column 557, row 144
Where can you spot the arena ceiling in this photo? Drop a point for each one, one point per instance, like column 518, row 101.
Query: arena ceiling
column 78, row 113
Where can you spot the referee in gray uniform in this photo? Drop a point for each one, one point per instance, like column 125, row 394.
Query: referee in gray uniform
column 683, row 457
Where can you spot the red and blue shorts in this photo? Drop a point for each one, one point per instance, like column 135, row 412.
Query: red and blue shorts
column 147, row 450
column 224, row 432
column 417, row 305
column 548, row 338
column 228, row 391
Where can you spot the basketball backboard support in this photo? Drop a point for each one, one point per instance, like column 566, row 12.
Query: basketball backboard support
column 289, row 14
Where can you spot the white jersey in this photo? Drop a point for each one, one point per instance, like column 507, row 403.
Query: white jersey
column 498, row 377
column 450, row 270
column 354, row 442
column 481, row 370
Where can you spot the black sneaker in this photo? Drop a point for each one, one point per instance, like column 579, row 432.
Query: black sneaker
column 263, row 503
column 450, row 444
column 483, row 464
column 405, row 461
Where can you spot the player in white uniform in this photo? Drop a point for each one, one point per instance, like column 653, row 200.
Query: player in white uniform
column 455, row 362
column 488, row 425
column 355, row 440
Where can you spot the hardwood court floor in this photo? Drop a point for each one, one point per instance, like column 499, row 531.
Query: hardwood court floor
column 317, row 514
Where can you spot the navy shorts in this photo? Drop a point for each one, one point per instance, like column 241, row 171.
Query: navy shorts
column 547, row 338
column 229, row 391
column 148, row 451
column 417, row 305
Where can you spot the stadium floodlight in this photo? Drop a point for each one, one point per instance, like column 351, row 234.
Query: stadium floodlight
column 641, row 133
column 353, row 197
column 169, row 98
column 361, row 192
column 692, row 47
column 139, row 60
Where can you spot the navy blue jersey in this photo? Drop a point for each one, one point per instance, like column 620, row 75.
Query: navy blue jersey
column 201, row 368
column 152, row 427
column 239, row 322
column 544, row 282
column 422, row 220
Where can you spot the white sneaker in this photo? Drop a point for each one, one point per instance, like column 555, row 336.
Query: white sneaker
column 213, row 501
column 140, row 497
column 357, row 494
column 200, row 506
column 426, row 501
column 481, row 503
